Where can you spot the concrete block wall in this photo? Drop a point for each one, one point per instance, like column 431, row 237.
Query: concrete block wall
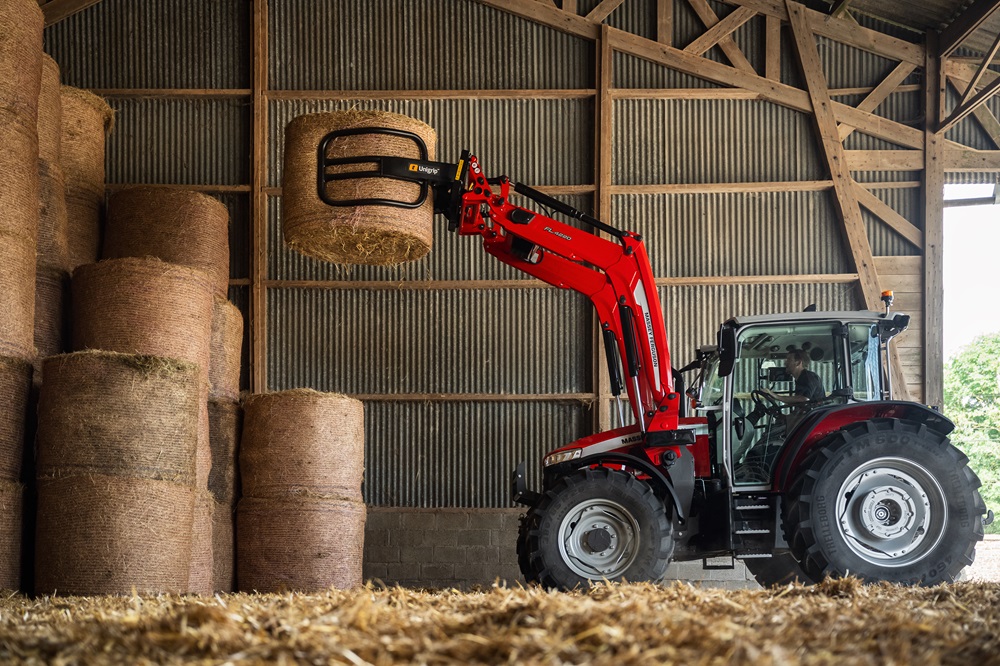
column 463, row 548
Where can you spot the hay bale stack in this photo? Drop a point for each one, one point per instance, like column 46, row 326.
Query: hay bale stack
column 224, row 547
column 119, row 415
column 53, row 251
column 19, row 170
column 86, row 122
column 299, row 542
column 21, row 24
column 116, row 442
column 374, row 235
column 11, row 512
column 51, row 311
column 178, row 226
column 17, row 292
column 101, row 534
column 202, row 566
column 301, row 465
column 226, row 351
column 302, row 440
column 15, row 387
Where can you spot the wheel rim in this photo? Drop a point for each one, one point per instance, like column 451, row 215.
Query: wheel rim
column 891, row 512
column 599, row 539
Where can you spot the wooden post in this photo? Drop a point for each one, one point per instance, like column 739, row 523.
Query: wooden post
column 258, row 203
column 665, row 22
column 603, row 145
column 933, row 227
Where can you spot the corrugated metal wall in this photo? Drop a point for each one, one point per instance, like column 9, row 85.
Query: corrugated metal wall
column 528, row 349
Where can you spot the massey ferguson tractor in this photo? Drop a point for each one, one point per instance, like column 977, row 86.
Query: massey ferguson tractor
column 850, row 482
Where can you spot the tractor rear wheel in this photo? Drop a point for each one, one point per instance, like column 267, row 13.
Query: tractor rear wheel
column 885, row 499
column 595, row 525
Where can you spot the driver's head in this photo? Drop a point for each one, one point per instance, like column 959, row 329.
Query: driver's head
column 795, row 362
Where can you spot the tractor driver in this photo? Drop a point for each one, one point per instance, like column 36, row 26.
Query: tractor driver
column 808, row 385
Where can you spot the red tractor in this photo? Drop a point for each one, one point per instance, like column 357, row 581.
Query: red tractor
column 744, row 464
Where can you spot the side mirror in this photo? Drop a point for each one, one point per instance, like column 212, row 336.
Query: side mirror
column 727, row 350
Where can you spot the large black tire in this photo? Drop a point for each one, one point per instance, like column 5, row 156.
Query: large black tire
column 781, row 569
column 885, row 500
column 595, row 525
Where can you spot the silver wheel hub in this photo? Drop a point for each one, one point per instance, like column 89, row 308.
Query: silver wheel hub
column 891, row 511
column 598, row 539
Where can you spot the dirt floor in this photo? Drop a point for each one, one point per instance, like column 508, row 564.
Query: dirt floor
column 837, row 622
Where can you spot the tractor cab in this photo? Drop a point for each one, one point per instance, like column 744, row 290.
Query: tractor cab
column 769, row 373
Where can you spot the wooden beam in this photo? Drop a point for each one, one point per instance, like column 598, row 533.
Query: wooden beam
column 971, row 105
column 772, row 48
column 173, row 93
column 887, row 214
column 603, row 149
column 885, row 160
column 258, row 204
column 771, row 91
column 603, row 10
column 987, row 121
column 569, row 6
column 933, row 323
column 665, row 22
column 556, row 19
column 724, row 188
column 844, row 31
column 728, row 46
column 493, row 93
column 968, row 160
column 983, row 68
column 720, row 30
column 880, row 93
column 840, row 8
column 682, row 93
column 845, row 201
column 57, row 10
column 966, row 24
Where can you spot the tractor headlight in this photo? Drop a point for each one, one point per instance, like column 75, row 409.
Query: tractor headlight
column 561, row 457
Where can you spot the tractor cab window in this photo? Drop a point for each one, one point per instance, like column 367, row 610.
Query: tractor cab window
column 865, row 358
column 782, row 372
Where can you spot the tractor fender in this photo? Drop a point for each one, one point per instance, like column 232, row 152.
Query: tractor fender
column 661, row 482
column 823, row 421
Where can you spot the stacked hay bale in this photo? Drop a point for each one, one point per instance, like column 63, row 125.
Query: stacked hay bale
column 301, row 521
column 116, row 446
column 225, row 424
column 21, row 25
column 147, row 306
column 52, row 261
column 86, row 122
column 365, row 234
column 190, row 231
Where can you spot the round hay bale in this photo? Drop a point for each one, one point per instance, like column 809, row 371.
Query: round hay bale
column 100, row 534
column 182, row 227
column 49, row 112
column 19, row 171
column 86, row 122
column 11, row 520
column 226, row 351
column 302, row 440
column 203, row 456
column 15, row 386
column 302, row 543
column 51, row 310
column 83, row 228
column 373, row 235
column 118, row 415
column 21, row 24
column 144, row 306
column 223, row 547
column 17, row 294
column 202, row 538
column 224, row 419
column 53, row 229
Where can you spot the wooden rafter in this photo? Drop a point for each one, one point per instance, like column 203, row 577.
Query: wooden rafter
column 569, row 6
column 845, row 199
column 57, row 10
column 720, row 30
column 887, row 214
column 603, row 10
column 665, row 22
column 772, row 48
column 964, row 109
column 881, row 93
column 987, row 121
column 983, row 68
column 843, row 30
column 726, row 43
column 840, row 8
column 966, row 24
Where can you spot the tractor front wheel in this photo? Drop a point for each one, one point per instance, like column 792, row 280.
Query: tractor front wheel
column 888, row 500
column 595, row 525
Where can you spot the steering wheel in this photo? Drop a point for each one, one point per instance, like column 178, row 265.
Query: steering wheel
column 766, row 403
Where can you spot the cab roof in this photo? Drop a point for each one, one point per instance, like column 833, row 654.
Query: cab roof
column 844, row 316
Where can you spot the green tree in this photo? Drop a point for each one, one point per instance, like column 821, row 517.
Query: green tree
column 972, row 401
